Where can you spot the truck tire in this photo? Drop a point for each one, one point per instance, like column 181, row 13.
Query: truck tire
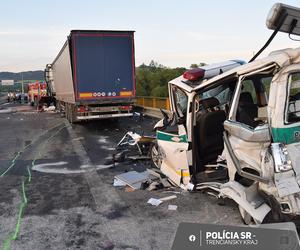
column 60, row 109
column 71, row 113
column 67, row 111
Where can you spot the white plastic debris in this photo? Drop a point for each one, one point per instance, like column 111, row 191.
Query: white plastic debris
column 190, row 186
column 50, row 109
column 172, row 207
column 171, row 197
column 119, row 183
column 154, row 202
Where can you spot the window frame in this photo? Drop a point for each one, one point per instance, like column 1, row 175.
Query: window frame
column 174, row 90
column 288, row 88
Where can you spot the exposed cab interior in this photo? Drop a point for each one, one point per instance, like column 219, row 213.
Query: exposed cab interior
column 212, row 107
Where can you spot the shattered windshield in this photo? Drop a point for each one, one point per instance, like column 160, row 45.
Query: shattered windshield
column 222, row 93
column 181, row 101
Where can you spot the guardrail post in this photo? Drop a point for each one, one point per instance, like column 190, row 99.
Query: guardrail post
column 154, row 102
column 167, row 104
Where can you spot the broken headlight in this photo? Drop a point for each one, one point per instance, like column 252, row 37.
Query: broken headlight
column 281, row 157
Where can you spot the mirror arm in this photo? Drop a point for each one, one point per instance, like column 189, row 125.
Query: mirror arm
column 280, row 23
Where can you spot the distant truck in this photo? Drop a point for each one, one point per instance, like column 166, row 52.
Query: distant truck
column 36, row 91
column 93, row 76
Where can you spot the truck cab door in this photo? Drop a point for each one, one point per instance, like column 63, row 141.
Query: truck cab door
column 247, row 134
column 173, row 142
column 173, row 146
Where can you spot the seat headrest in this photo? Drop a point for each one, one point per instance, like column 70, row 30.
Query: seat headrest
column 210, row 102
column 246, row 98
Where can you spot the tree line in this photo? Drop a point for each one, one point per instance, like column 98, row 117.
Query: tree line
column 152, row 79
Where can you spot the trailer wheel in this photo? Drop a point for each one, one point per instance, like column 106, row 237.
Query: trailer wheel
column 67, row 111
column 70, row 112
column 73, row 115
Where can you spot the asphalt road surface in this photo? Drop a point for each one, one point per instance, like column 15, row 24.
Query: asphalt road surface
column 71, row 202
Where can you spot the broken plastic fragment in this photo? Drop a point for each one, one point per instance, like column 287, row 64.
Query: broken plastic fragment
column 172, row 207
column 171, row 197
column 190, row 186
column 119, row 183
column 154, row 202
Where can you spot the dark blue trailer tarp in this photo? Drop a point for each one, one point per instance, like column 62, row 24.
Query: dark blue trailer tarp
column 103, row 65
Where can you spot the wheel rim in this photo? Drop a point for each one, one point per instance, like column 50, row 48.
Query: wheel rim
column 155, row 156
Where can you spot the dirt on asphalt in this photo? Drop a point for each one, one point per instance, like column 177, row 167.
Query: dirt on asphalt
column 72, row 203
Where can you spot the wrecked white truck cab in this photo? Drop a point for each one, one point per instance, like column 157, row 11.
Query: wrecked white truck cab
column 238, row 133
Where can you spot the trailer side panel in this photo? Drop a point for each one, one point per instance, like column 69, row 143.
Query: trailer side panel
column 62, row 76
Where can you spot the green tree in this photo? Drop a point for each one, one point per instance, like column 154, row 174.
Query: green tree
column 152, row 80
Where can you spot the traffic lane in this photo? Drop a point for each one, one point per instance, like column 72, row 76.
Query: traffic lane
column 17, row 130
column 61, row 209
column 27, row 138
column 55, row 201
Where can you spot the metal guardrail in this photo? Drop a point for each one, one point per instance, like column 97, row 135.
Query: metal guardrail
column 151, row 105
column 153, row 102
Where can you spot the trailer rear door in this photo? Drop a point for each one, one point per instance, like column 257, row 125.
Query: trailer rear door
column 103, row 65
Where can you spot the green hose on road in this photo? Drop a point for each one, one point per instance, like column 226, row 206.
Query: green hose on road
column 14, row 235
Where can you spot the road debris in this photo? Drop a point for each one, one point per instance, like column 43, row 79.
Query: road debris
column 134, row 146
column 133, row 179
column 154, row 202
column 119, row 183
column 172, row 207
column 129, row 189
column 168, row 198
column 49, row 109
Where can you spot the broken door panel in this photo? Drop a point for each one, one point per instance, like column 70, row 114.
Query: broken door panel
column 173, row 148
column 248, row 144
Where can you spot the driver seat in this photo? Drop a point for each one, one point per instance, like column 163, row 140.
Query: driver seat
column 209, row 133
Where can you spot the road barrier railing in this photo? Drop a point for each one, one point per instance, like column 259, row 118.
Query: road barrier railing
column 151, row 105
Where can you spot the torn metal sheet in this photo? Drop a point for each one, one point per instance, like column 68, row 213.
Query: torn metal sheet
column 118, row 183
column 133, row 179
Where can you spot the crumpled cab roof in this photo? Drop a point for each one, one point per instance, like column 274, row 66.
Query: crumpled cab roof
column 282, row 58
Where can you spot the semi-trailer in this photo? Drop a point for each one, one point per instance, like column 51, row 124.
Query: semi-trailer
column 93, row 75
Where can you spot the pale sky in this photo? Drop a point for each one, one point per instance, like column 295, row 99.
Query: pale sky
column 171, row 32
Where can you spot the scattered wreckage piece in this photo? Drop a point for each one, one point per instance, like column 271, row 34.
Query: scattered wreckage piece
column 132, row 178
column 172, row 207
column 133, row 146
column 156, row 202
column 147, row 180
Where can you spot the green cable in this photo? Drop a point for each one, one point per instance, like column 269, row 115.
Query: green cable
column 14, row 235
